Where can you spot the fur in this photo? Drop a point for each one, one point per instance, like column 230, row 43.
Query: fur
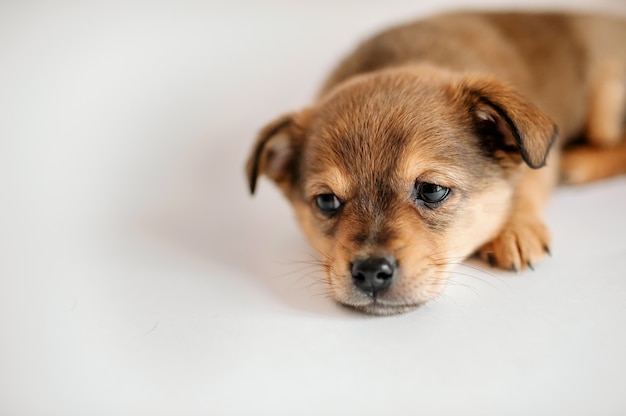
column 480, row 104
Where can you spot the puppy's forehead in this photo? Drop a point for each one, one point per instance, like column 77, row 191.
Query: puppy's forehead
column 378, row 124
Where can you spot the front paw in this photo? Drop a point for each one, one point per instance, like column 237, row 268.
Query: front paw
column 522, row 242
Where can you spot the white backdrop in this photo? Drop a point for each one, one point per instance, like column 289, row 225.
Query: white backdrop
column 138, row 277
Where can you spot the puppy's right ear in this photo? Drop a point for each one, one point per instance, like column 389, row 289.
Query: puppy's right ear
column 277, row 150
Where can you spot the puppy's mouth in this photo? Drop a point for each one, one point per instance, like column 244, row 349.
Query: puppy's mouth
column 377, row 286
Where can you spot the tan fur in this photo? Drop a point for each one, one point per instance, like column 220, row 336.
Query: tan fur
column 587, row 164
column 607, row 102
column 468, row 102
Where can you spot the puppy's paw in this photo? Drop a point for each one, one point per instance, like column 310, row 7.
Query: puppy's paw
column 522, row 243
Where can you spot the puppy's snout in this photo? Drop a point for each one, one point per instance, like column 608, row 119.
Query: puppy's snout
column 373, row 274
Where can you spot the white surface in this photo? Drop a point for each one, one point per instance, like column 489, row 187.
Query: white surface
column 138, row 277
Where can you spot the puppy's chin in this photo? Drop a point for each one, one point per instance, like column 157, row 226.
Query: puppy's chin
column 376, row 307
column 385, row 304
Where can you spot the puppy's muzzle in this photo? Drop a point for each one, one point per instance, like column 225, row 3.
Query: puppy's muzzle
column 373, row 275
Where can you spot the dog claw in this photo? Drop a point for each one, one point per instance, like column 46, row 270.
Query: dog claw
column 547, row 250
column 491, row 259
column 530, row 266
column 513, row 267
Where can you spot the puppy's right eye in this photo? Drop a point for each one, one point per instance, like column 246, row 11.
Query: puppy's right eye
column 328, row 204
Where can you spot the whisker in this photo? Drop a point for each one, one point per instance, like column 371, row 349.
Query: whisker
column 467, row 275
column 294, row 272
column 399, row 249
column 453, row 283
column 469, row 266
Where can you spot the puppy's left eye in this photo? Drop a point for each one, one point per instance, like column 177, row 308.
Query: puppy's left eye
column 328, row 204
column 431, row 194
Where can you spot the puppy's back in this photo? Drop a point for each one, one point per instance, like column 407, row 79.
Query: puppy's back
column 548, row 57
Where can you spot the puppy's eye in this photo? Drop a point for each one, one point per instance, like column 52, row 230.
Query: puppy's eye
column 431, row 194
column 328, row 204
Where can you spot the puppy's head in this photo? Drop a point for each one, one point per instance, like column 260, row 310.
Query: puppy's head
column 397, row 176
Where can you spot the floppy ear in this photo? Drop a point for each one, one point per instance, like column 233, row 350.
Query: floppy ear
column 277, row 150
column 510, row 122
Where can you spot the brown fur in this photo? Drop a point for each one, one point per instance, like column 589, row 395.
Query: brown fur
column 471, row 102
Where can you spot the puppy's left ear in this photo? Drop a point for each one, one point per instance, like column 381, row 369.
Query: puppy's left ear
column 510, row 122
column 276, row 150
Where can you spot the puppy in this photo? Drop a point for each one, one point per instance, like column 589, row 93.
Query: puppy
column 442, row 138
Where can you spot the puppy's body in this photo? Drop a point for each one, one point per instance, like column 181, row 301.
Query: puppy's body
column 431, row 142
column 553, row 60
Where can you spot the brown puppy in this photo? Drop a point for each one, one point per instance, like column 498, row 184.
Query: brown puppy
column 432, row 142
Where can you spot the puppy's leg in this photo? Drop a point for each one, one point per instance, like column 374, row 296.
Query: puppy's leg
column 587, row 163
column 605, row 154
column 524, row 239
column 607, row 105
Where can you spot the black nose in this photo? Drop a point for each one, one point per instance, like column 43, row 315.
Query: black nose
column 373, row 274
